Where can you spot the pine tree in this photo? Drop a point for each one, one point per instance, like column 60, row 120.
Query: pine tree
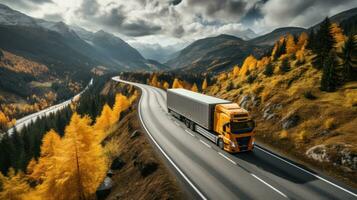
column 311, row 41
column 347, row 59
column 328, row 80
column 281, row 49
column 285, row 66
column 324, row 43
column 80, row 163
column 269, row 70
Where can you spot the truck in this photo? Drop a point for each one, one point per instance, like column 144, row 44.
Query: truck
column 223, row 122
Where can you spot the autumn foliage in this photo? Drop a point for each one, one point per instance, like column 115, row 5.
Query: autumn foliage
column 5, row 122
column 71, row 167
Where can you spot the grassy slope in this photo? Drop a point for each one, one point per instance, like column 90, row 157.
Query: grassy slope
column 329, row 120
column 129, row 183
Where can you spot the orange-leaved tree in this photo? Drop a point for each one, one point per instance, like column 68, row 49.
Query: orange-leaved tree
column 194, row 88
column 337, row 33
column 80, row 163
column 121, row 103
column 204, row 84
column 177, row 83
column 235, row 71
column 103, row 121
column 290, row 44
column 166, row 85
column 50, row 144
column 13, row 186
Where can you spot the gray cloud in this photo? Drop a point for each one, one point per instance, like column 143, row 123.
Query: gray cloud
column 53, row 17
column 184, row 20
column 25, row 4
column 139, row 28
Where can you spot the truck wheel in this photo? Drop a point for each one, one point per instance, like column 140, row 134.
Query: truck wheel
column 192, row 126
column 220, row 143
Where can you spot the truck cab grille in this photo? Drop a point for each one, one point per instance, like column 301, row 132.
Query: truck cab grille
column 243, row 141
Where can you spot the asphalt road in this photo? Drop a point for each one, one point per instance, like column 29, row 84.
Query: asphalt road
column 21, row 123
column 214, row 174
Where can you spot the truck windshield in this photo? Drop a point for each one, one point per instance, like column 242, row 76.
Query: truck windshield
column 242, row 127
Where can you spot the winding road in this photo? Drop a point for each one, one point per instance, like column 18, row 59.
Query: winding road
column 210, row 173
column 21, row 123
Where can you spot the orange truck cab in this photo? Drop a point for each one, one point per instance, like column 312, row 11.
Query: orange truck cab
column 235, row 127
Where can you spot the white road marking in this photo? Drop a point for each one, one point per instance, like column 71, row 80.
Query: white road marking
column 276, row 190
column 189, row 133
column 224, row 156
column 207, row 145
column 177, row 124
column 327, row 181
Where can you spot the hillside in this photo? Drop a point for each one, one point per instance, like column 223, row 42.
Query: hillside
column 214, row 54
column 301, row 109
column 272, row 37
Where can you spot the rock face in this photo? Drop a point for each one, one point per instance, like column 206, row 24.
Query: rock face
column 337, row 154
column 269, row 112
column 290, row 120
column 318, row 153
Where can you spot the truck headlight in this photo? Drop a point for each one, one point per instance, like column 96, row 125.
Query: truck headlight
column 233, row 144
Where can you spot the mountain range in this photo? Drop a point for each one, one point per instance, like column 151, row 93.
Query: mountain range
column 63, row 46
column 219, row 53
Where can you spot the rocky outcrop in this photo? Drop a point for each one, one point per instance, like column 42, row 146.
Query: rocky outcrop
column 318, row 153
column 290, row 120
column 336, row 154
column 270, row 110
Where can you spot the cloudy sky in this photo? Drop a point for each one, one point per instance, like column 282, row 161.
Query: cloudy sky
column 177, row 22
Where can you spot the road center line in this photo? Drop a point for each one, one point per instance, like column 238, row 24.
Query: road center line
column 224, row 156
column 207, row 145
column 276, row 190
column 189, row 133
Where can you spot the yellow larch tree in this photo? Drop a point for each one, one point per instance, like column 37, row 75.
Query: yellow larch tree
column 302, row 41
column 235, row 71
column 166, row 85
column 13, row 186
column 80, row 163
column 194, row 88
column 5, row 122
column 290, row 44
column 154, row 81
column 103, row 122
column 204, row 84
column 337, row 33
column 177, row 84
column 263, row 62
column 50, row 144
column 121, row 103
column 249, row 64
